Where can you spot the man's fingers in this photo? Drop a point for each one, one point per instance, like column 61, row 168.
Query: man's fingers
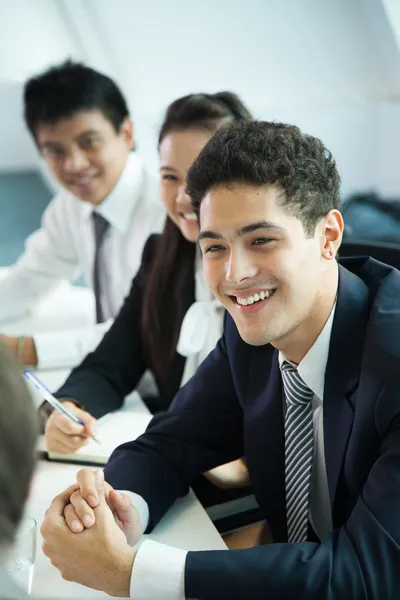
column 127, row 517
column 87, row 486
column 61, row 500
column 99, row 480
column 82, row 510
column 72, row 519
column 126, row 513
column 122, row 504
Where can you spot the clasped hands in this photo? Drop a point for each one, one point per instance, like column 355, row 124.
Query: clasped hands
column 88, row 533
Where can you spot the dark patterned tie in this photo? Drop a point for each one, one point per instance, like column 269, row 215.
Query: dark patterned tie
column 298, row 452
column 100, row 226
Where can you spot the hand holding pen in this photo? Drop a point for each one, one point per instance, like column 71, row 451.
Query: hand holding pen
column 68, row 427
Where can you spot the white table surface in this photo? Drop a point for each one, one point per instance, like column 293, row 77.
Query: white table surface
column 186, row 525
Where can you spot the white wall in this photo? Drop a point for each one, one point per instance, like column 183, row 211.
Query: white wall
column 17, row 151
column 33, row 35
column 332, row 67
column 387, row 153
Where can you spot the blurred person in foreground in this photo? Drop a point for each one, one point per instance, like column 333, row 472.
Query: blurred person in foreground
column 18, row 431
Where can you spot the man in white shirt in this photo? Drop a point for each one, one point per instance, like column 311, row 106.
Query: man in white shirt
column 100, row 220
column 304, row 382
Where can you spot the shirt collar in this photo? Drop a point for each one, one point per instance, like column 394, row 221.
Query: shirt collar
column 120, row 203
column 313, row 366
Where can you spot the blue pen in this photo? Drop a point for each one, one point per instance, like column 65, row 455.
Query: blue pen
column 33, row 380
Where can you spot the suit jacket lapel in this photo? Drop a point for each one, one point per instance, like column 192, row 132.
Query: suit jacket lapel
column 264, row 437
column 342, row 373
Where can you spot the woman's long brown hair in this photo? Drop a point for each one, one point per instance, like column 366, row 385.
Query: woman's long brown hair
column 173, row 262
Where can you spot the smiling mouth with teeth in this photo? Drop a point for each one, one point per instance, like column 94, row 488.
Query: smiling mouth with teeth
column 82, row 181
column 189, row 216
column 263, row 295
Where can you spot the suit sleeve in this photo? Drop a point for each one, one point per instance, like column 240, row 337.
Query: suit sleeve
column 203, row 428
column 113, row 370
column 359, row 560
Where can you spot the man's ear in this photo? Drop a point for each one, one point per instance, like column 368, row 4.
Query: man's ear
column 331, row 234
column 126, row 130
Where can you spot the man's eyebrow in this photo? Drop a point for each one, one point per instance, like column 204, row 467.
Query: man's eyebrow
column 167, row 168
column 49, row 144
column 211, row 235
column 88, row 132
column 83, row 134
column 259, row 225
column 242, row 231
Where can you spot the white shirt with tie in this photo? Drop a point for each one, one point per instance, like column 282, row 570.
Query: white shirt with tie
column 159, row 570
column 64, row 247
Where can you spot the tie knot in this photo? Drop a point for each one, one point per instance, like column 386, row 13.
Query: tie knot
column 296, row 391
column 100, row 226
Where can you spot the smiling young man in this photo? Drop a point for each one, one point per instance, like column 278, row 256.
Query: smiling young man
column 304, row 383
column 97, row 224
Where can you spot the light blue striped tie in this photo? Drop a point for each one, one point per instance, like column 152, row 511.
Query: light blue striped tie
column 298, row 452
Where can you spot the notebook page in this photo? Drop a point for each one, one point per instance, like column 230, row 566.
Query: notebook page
column 114, row 429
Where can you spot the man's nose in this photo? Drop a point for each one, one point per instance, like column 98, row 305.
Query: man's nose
column 239, row 267
column 75, row 161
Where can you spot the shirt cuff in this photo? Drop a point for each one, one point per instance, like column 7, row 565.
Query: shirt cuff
column 158, row 572
column 141, row 506
column 66, row 348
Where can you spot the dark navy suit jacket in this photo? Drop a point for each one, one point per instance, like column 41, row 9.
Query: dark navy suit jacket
column 233, row 407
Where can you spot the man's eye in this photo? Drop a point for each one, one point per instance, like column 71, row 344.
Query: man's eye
column 90, row 143
column 262, row 240
column 213, row 249
column 52, row 152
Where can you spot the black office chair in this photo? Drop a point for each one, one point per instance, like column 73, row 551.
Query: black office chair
column 387, row 253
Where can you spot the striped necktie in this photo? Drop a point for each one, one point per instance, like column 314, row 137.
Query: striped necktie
column 100, row 226
column 298, row 452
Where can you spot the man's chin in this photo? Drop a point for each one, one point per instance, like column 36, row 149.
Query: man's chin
column 89, row 195
column 253, row 338
column 88, row 198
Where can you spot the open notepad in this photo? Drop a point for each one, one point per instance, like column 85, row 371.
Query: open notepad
column 113, row 430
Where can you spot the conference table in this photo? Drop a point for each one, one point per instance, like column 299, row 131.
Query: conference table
column 186, row 525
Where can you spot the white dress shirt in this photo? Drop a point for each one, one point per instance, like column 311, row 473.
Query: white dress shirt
column 159, row 570
column 64, row 247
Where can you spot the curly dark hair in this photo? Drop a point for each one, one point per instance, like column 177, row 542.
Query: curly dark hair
column 262, row 153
